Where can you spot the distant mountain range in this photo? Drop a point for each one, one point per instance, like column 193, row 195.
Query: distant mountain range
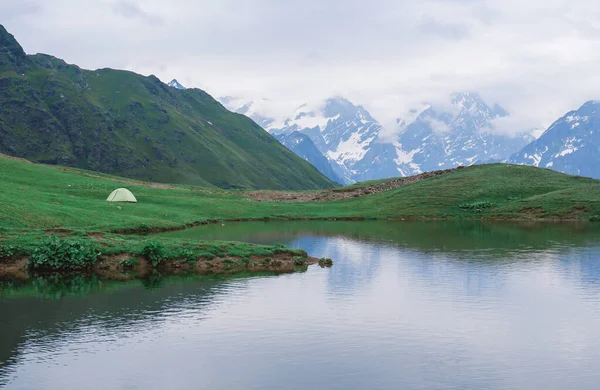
column 571, row 145
column 351, row 139
column 123, row 123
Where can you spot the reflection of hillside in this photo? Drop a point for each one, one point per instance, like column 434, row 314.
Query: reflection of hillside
column 114, row 306
column 431, row 236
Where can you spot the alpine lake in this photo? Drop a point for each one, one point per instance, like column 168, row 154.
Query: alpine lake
column 406, row 305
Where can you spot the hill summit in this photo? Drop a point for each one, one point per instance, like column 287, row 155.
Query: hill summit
column 124, row 123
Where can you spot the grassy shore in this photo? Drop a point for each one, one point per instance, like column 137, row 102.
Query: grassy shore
column 37, row 201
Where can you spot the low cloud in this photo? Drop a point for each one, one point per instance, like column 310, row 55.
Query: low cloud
column 132, row 9
column 537, row 59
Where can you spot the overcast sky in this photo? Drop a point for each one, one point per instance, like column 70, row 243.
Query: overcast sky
column 536, row 58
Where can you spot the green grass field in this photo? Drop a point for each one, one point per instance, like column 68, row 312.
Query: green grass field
column 39, row 197
column 36, row 200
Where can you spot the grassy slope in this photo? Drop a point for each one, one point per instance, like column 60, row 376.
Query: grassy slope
column 119, row 122
column 37, row 197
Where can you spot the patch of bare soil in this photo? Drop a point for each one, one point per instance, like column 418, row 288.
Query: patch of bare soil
column 343, row 193
column 16, row 269
column 531, row 211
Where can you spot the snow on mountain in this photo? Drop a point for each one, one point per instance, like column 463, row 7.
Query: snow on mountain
column 571, row 145
column 341, row 130
column 432, row 138
column 463, row 135
column 175, row 84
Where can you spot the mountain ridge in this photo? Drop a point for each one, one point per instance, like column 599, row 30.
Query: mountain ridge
column 119, row 122
column 570, row 145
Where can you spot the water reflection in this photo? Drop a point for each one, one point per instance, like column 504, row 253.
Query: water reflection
column 415, row 305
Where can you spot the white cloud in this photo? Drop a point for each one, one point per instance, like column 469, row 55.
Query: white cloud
column 538, row 59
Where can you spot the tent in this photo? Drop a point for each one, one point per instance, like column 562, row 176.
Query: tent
column 121, row 195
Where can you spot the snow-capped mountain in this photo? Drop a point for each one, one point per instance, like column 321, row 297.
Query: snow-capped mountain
column 175, row 84
column 571, row 145
column 302, row 145
column 342, row 131
column 463, row 135
column 435, row 138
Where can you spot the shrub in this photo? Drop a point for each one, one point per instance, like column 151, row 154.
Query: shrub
column 130, row 263
column 325, row 262
column 299, row 261
column 228, row 262
column 154, row 253
column 477, row 206
column 56, row 253
column 8, row 252
column 144, row 227
column 187, row 256
column 595, row 218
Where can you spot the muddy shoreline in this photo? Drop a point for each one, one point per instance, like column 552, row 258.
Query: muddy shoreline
column 127, row 267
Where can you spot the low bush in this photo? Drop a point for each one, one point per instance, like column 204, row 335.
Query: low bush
column 55, row 253
column 325, row 262
column 594, row 218
column 299, row 261
column 130, row 263
column 154, row 252
column 8, row 252
column 477, row 206
column 187, row 256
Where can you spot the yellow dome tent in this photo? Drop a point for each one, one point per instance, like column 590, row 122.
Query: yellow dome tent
column 121, row 195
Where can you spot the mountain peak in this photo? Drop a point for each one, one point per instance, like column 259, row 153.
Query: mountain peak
column 591, row 106
column 12, row 55
column 175, row 84
column 472, row 104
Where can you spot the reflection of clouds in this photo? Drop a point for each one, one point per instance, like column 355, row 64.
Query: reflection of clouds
column 383, row 317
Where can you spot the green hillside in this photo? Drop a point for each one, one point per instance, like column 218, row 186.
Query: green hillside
column 123, row 123
column 36, row 197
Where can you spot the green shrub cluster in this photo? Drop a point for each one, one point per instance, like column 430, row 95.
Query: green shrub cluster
column 477, row 206
column 299, row 261
column 55, row 253
column 130, row 263
column 8, row 252
column 325, row 262
column 154, row 252
column 187, row 256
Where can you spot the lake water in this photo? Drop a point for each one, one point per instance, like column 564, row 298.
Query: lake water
column 434, row 305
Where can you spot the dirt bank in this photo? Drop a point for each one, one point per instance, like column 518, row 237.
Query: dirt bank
column 341, row 193
column 126, row 266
